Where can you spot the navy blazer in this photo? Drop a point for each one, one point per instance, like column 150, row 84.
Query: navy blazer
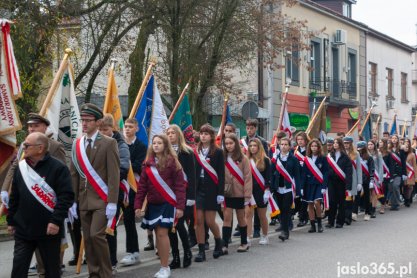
column 217, row 162
column 188, row 163
column 345, row 164
column 292, row 167
column 307, row 177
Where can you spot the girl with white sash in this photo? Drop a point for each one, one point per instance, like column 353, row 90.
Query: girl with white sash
column 210, row 189
column 386, row 176
column 411, row 172
column 368, row 181
column 261, row 180
column 376, row 191
column 314, row 182
column 162, row 183
column 340, row 181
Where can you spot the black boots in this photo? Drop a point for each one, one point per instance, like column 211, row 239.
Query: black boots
column 150, row 246
column 218, row 248
column 283, row 236
column 201, row 256
column 313, row 226
column 319, row 226
column 373, row 212
column 226, row 232
column 176, row 262
column 187, row 258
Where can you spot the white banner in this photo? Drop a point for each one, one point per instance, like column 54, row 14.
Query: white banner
column 159, row 120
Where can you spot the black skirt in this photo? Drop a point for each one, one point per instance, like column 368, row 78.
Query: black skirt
column 158, row 215
column 235, row 203
column 206, row 196
column 258, row 195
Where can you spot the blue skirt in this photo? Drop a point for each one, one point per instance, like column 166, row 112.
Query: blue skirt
column 312, row 193
column 158, row 215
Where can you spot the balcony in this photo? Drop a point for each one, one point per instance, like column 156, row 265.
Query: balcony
column 414, row 76
column 339, row 92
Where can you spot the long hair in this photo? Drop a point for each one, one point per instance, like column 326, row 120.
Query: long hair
column 339, row 141
column 259, row 157
column 384, row 148
column 210, row 130
column 237, row 154
column 410, row 149
column 182, row 146
column 351, row 152
column 166, row 155
column 375, row 151
column 397, row 145
column 303, row 135
column 364, row 153
column 309, row 152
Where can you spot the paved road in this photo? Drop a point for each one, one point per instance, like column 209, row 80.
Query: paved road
column 389, row 241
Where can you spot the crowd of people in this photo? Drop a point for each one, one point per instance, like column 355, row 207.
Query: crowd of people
column 181, row 189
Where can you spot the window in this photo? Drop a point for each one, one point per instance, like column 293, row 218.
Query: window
column 351, row 74
column 292, row 65
column 390, row 81
column 315, row 65
column 347, row 10
column 373, row 74
column 404, row 87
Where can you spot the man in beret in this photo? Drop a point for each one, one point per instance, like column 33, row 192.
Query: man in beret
column 35, row 123
column 95, row 155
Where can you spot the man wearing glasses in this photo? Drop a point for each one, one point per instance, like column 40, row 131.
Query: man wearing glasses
column 95, row 178
column 40, row 198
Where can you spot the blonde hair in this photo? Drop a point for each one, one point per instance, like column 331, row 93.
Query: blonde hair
column 259, row 157
column 107, row 120
column 167, row 153
column 351, row 152
column 182, row 146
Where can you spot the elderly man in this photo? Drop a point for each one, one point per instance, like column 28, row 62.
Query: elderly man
column 40, row 198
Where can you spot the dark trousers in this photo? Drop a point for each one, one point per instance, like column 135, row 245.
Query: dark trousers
column 284, row 203
column 191, row 223
column 132, row 242
column 112, row 239
column 366, row 200
column 337, row 204
column 75, row 233
column 49, row 250
column 181, row 231
column 301, row 208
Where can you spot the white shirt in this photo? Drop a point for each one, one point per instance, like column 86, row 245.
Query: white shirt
column 204, row 152
column 94, row 137
column 283, row 157
column 314, row 158
column 337, row 155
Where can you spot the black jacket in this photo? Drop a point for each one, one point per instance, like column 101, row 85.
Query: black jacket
column 345, row 164
column 371, row 168
column 188, row 163
column 26, row 214
column 293, row 168
column 307, row 177
column 137, row 155
column 217, row 162
column 398, row 170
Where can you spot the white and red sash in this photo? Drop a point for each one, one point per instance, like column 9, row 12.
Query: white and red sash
column 185, row 178
column 160, row 185
column 365, row 168
column 261, row 181
column 275, row 155
column 354, row 164
column 207, row 167
column 38, row 187
column 387, row 175
column 339, row 172
column 244, row 145
column 396, row 158
column 281, row 169
column 378, row 182
column 235, row 170
column 299, row 155
column 410, row 170
column 314, row 169
column 125, row 187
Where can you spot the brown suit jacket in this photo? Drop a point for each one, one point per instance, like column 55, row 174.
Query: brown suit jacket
column 56, row 150
column 105, row 160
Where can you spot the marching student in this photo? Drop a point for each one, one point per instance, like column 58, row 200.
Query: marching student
column 329, row 145
column 137, row 155
column 186, row 158
column 300, row 202
column 237, row 191
column 398, row 172
column 106, row 126
column 314, row 182
column 411, row 172
column 356, row 179
column 340, row 181
column 368, row 171
column 261, row 180
column 376, row 191
column 210, row 189
column 284, row 180
column 162, row 183
column 386, row 167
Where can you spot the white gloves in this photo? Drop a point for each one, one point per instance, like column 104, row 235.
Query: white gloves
column 5, row 198
column 267, row 193
column 111, row 210
column 405, row 177
column 190, row 203
column 72, row 212
column 371, row 184
column 323, row 191
column 246, row 203
column 220, row 199
column 302, row 192
column 359, row 187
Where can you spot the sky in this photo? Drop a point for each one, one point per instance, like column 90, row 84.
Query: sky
column 395, row 18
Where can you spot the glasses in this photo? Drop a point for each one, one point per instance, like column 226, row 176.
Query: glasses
column 26, row 145
column 87, row 120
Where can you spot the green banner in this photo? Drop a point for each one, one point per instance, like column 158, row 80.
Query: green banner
column 301, row 121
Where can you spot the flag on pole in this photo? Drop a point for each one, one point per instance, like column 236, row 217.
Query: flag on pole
column 367, row 130
column 285, row 126
column 112, row 102
column 184, row 120
column 9, row 91
column 317, row 125
column 228, row 115
column 151, row 114
column 63, row 112
column 394, row 126
column 414, row 133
